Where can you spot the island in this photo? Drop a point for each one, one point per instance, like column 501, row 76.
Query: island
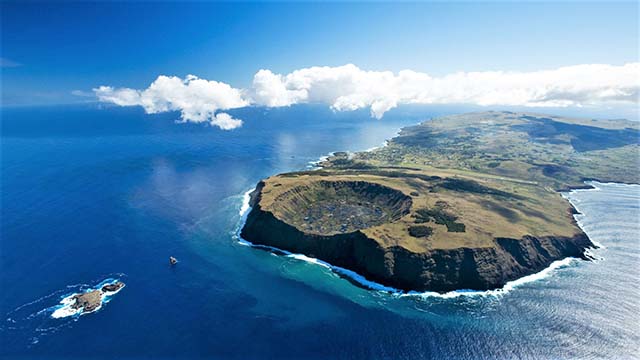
column 469, row 201
column 92, row 300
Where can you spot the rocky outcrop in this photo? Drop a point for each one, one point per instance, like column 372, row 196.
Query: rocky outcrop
column 88, row 301
column 113, row 287
column 91, row 300
column 438, row 270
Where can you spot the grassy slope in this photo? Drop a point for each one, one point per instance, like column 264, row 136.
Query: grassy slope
column 550, row 151
column 522, row 159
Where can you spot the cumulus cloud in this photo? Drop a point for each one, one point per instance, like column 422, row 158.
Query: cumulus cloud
column 198, row 100
column 225, row 121
column 348, row 87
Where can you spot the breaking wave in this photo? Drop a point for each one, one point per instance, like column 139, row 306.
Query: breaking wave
column 50, row 313
column 246, row 198
column 364, row 282
column 65, row 308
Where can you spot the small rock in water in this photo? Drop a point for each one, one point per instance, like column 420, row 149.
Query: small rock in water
column 112, row 287
column 92, row 300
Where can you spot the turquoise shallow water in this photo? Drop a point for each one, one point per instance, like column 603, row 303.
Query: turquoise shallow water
column 90, row 194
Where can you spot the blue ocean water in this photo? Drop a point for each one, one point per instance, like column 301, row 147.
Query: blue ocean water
column 92, row 193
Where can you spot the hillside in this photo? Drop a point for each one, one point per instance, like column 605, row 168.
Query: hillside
column 462, row 202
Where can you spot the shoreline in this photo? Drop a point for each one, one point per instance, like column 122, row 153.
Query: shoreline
column 371, row 285
column 360, row 280
column 64, row 309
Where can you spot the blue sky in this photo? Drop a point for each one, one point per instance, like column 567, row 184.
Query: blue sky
column 61, row 47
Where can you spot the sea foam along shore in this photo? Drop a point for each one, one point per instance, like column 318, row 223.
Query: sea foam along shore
column 65, row 310
column 315, row 164
column 509, row 286
column 595, row 186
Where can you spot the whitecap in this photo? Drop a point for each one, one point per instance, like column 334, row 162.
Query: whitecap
column 65, row 309
column 372, row 285
column 315, row 164
column 246, row 198
column 509, row 286
column 363, row 281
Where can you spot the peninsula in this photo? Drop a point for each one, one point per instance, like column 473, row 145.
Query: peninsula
column 469, row 201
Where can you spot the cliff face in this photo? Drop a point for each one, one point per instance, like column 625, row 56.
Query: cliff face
column 440, row 270
column 461, row 202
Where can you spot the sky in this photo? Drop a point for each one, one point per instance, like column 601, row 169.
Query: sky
column 63, row 52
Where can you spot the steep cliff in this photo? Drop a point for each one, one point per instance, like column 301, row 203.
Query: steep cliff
column 466, row 201
column 485, row 265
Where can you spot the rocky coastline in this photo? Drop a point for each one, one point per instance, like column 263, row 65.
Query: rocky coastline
column 470, row 201
column 438, row 270
column 92, row 300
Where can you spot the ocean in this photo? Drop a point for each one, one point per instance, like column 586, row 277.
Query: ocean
column 91, row 194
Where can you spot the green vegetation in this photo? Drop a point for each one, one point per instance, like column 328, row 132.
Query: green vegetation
column 440, row 217
column 419, row 231
column 551, row 151
column 473, row 187
column 459, row 181
column 462, row 202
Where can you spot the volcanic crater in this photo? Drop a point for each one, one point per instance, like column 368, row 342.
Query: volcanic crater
column 331, row 207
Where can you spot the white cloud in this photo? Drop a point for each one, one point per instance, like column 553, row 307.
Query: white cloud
column 349, row 88
column 271, row 90
column 225, row 121
column 198, row 100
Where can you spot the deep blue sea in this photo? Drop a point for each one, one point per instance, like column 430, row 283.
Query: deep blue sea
column 91, row 193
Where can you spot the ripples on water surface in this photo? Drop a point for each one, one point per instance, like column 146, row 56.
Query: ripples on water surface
column 88, row 192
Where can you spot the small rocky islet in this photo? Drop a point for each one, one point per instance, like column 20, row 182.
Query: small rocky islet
column 91, row 300
column 463, row 202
